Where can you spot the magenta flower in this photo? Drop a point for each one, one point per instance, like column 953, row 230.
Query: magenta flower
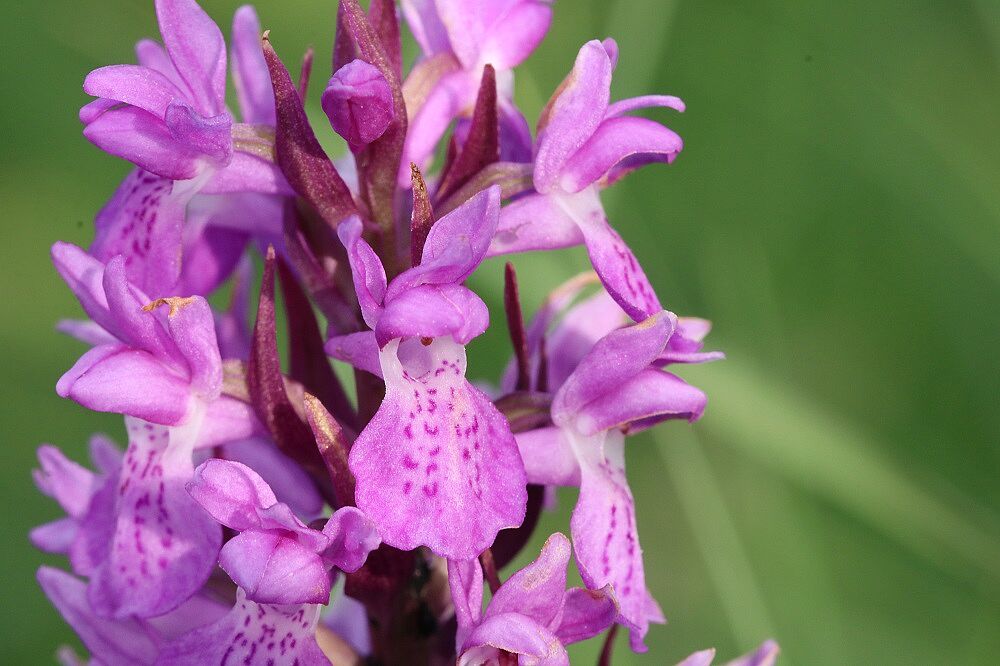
column 165, row 374
column 531, row 615
column 275, row 558
column 458, row 38
column 584, row 144
column 606, row 384
column 437, row 465
column 281, row 567
column 167, row 115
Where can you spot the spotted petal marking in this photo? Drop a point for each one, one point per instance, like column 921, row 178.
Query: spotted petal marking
column 251, row 633
column 437, row 465
column 613, row 260
column 144, row 222
column 164, row 545
column 604, row 531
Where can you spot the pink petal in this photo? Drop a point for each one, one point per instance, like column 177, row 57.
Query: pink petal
column 288, row 481
column 515, row 633
column 619, row 145
column 465, row 580
column 144, row 222
column 765, row 655
column 143, row 139
column 67, row 482
column 357, row 349
column 614, row 359
column 231, row 493
column 515, row 135
column 352, row 537
column 192, row 327
column 248, row 173
column 612, row 259
column 164, row 545
column 548, row 457
column 134, row 324
column 624, row 106
column 210, row 136
column 228, row 420
column 202, row 609
column 586, row 613
column 702, row 658
column 152, row 55
column 232, row 326
column 573, row 114
column 604, row 531
column 686, row 343
column 251, row 633
column 86, row 331
column 347, row 618
column 84, row 276
column 366, row 269
column 432, row 311
column 92, row 110
column 577, row 333
column 534, row 222
column 555, row 305
column 105, row 454
column 537, row 590
column 197, row 50
column 250, row 77
column 54, row 537
column 125, row 641
column 453, row 95
column 437, row 465
column 641, row 402
column 519, row 31
column 426, row 26
column 114, row 378
column 96, row 527
column 210, row 257
column 456, row 244
column 275, row 569
column 136, row 85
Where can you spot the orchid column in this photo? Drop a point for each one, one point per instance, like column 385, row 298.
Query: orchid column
column 271, row 510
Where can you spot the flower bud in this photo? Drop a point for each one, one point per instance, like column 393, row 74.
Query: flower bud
column 358, row 102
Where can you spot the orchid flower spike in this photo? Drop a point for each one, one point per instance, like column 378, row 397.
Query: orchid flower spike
column 262, row 510
column 584, row 144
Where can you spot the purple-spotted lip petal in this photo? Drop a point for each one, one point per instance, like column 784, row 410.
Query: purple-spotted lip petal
column 437, row 465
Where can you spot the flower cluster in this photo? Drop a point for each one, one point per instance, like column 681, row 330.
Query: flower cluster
column 271, row 515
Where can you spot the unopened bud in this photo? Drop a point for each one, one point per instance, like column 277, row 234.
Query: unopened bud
column 358, row 102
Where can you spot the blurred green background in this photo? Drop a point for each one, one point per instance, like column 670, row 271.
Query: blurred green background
column 835, row 212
